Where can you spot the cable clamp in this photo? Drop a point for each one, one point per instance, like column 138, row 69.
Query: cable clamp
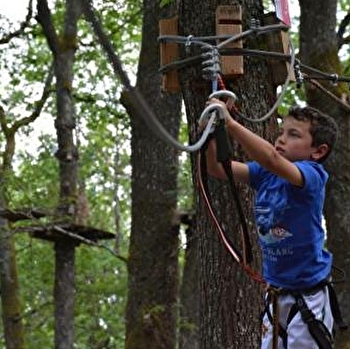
column 335, row 79
column 298, row 75
column 254, row 23
column 211, row 65
column 188, row 43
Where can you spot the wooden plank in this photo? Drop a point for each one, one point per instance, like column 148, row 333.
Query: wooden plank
column 278, row 41
column 229, row 22
column 169, row 52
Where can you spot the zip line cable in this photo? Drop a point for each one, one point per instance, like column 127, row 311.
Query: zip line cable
column 319, row 75
column 202, row 40
column 280, row 96
column 142, row 108
column 316, row 84
column 106, row 44
column 225, row 51
column 140, row 104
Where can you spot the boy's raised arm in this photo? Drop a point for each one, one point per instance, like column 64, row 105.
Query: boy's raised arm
column 260, row 150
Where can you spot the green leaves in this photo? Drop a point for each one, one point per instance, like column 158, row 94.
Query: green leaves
column 102, row 136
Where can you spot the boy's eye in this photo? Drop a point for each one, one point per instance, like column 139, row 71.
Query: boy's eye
column 294, row 134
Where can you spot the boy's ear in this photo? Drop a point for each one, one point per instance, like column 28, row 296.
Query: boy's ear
column 320, row 152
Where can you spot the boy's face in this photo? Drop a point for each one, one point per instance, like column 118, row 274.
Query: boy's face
column 294, row 140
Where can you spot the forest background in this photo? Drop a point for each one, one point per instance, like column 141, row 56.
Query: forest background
column 79, row 164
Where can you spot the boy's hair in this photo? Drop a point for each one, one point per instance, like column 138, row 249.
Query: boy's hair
column 323, row 129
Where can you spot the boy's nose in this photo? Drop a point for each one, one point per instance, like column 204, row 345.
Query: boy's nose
column 280, row 139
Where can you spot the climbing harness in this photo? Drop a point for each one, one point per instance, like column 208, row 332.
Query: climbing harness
column 319, row 332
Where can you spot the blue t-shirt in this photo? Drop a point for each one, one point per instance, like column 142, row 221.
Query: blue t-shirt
column 289, row 221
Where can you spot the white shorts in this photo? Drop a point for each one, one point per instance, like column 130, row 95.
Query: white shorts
column 298, row 335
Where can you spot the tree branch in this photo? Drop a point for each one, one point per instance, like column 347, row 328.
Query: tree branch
column 341, row 31
column 45, row 20
column 8, row 37
column 105, row 43
column 38, row 105
column 3, row 123
column 90, row 242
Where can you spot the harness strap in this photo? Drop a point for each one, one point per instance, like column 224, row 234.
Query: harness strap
column 317, row 328
column 272, row 297
column 335, row 308
column 277, row 329
column 203, row 186
column 224, row 154
column 333, row 299
column 245, row 257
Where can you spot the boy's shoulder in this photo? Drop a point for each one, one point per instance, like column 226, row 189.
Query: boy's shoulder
column 313, row 172
column 313, row 168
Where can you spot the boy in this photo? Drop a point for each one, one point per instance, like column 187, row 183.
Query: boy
column 289, row 180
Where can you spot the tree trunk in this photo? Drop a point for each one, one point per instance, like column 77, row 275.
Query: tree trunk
column 189, row 305
column 10, row 298
column 230, row 302
column 153, row 252
column 9, row 283
column 63, row 49
column 318, row 43
column 67, row 156
column 64, row 293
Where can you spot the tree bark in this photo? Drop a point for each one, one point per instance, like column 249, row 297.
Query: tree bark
column 63, row 50
column 229, row 301
column 189, row 305
column 9, row 283
column 318, row 43
column 10, row 298
column 64, row 293
column 153, row 252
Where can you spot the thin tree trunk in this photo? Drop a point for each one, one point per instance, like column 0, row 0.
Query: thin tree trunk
column 64, row 293
column 189, row 304
column 9, row 283
column 63, row 49
column 10, row 298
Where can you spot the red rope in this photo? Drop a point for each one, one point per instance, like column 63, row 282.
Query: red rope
column 256, row 276
column 221, row 83
column 231, row 106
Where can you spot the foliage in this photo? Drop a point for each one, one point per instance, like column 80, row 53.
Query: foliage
column 185, row 182
column 166, row 2
column 36, row 272
column 102, row 135
column 101, row 279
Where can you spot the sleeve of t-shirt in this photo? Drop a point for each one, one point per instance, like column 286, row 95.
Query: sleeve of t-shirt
column 256, row 172
column 314, row 175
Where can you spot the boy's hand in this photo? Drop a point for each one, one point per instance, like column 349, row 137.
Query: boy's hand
column 222, row 108
column 216, row 101
column 204, row 120
column 224, row 105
